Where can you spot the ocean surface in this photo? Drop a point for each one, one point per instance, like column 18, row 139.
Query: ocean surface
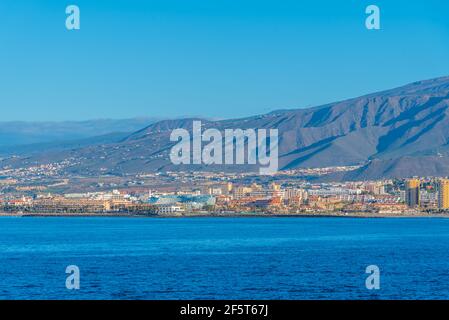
column 224, row 258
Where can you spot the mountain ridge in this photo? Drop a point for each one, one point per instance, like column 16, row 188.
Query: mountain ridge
column 393, row 133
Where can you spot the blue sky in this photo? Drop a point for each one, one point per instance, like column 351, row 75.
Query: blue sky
column 211, row 58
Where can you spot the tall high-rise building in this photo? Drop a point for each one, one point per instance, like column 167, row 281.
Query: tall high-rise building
column 412, row 192
column 443, row 194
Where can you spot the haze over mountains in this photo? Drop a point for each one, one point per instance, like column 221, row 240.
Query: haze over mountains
column 401, row 132
column 17, row 137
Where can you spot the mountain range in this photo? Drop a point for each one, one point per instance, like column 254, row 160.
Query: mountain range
column 22, row 133
column 397, row 133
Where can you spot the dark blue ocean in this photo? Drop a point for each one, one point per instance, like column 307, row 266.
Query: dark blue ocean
column 224, row 258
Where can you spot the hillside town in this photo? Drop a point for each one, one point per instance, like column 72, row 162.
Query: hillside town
column 41, row 191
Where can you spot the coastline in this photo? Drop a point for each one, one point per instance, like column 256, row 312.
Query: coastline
column 223, row 215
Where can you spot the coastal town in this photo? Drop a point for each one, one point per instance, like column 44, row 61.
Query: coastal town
column 44, row 191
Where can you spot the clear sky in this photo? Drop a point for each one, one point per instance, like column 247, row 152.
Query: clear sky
column 211, row 58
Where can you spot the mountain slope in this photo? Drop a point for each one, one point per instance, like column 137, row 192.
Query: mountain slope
column 395, row 133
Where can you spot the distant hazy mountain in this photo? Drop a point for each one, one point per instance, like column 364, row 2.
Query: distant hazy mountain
column 396, row 133
column 60, row 145
column 27, row 133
